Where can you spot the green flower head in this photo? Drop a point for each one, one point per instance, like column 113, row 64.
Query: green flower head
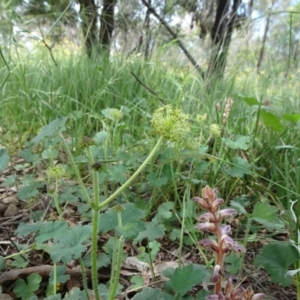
column 116, row 114
column 56, row 172
column 215, row 130
column 170, row 123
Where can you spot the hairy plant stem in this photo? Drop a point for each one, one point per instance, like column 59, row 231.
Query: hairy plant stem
column 95, row 220
column 96, row 207
column 84, row 278
column 117, row 261
column 133, row 177
column 75, row 169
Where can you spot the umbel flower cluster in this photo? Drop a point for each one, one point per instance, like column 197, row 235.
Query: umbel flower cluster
column 170, row 123
column 211, row 221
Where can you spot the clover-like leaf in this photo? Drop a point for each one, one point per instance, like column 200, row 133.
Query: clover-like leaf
column 156, row 181
column 25, row 290
column 292, row 117
column 70, row 243
column 129, row 231
column 4, row 159
column 54, row 297
column 153, row 231
column 131, row 214
column 239, row 168
column 29, row 156
column 233, row 262
column 183, row 279
column 238, row 207
column 165, row 210
column 60, row 275
column 276, row 259
column 265, row 214
column 249, row 100
column 149, row 294
column 117, row 173
column 44, row 231
column 240, row 142
column 9, row 180
column 271, row 120
column 76, row 294
column 49, row 129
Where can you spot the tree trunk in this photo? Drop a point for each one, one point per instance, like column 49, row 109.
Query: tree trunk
column 88, row 10
column 221, row 36
column 107, row 23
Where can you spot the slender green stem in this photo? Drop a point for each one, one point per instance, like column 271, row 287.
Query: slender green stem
column 150, row 260
column 54, row 279
column 94, row 251
column 75, row 169
column 84, row 278
column 55, row 198
column 117, row 269
column 187, row 192
column 134, row 176
column 117, row 261
column 95, row 220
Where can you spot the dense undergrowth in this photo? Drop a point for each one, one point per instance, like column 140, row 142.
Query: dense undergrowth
column 84, row 129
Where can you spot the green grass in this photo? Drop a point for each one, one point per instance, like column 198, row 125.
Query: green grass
column 253, row 157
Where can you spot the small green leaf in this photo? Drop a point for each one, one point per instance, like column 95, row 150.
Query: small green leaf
column 76, row 294
column 292, row 117
column 44, row 231
column 137, row 281
column 9, row 181
column 240, row 142
column 117, row 173
column 234, row 263
column 265, row 214
column 60, row 275
column 2, row 263
column 149, row 294
column 156, row 181
column 19, row 262
column 201, row 167
column 109, row 220
column 28, row 192
column 129, row 231
column 238, row 206
column 54, row 297
column 165, row 210
column 175, row 234
column 183, row 279
column 29, row 156
column 25, row 290
column 239, row 169
column 49, row 129
column 50, row 153
column 152, row 232
column 276, row 259
column 4, row 159
column 271, row 120
column 103, row 260
column 70, row 243
column 100, row 137
column 249, row 100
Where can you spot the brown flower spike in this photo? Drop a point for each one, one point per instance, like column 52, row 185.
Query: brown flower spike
column 210, row 221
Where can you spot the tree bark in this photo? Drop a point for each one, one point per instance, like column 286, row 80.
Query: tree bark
column 221, row 36
column 107, row 23
column 89, row 14
column 262, row 49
